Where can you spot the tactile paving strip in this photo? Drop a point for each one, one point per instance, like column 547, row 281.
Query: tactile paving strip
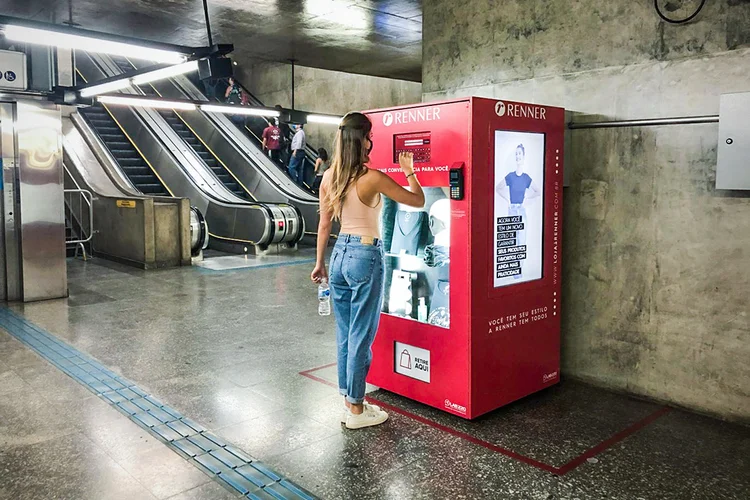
column 203, row 449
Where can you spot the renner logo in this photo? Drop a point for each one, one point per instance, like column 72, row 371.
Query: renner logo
column 411, row 115
column 549, row 377
column 521, row 111
column 455, row 407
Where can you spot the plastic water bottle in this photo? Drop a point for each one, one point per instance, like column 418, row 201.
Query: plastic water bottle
column 324, row 298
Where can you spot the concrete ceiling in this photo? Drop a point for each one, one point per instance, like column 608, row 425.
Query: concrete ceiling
column 373, row 37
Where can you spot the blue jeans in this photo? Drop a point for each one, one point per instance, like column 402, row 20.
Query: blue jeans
column 357, row 276
column 295, row 166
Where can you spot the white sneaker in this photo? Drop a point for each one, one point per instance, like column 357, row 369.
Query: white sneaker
column 346, row 411
column 367, row 418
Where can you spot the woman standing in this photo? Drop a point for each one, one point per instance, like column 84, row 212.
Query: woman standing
column 512, row 188
column 321, row 165
column 350, row 193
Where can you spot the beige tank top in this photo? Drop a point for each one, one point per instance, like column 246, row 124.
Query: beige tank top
column 357, row 218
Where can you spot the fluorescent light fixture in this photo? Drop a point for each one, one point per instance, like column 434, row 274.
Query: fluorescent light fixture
column 239, row 110
column 103, row 88
column 90, row 44
column 168, row 72
column 331, row 120
column 145, row 103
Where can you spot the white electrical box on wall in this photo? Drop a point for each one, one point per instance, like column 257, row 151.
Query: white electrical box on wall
column 12, row 70
column 733, row 162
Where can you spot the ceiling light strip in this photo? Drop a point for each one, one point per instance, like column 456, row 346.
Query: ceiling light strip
column 146, row 103
column 168, row 72
column 327, row 119
column 103, row 88
column 239, row 110
column 90, row 44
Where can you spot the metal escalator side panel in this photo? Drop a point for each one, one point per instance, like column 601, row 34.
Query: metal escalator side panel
column 279, row 224
column 90, row 159
column 245, row 188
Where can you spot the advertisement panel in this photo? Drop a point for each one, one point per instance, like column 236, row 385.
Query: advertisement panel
column 518, row 222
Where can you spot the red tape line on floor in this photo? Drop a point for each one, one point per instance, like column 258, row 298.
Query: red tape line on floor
column 558, row 471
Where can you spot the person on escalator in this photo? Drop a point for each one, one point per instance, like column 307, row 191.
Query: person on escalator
column 272, row 141
column 297, row 161
column 321, row 165
column 351, row 192
column 233, row 95
column 285, row 133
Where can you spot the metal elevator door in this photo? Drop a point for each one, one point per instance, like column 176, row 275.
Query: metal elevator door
column 32, row 239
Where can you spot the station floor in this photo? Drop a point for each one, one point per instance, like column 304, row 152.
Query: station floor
column 242, row 352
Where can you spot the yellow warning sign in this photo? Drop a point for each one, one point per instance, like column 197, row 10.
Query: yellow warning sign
column 126, row 203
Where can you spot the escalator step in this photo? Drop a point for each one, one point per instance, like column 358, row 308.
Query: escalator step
column 112, row 136
column 152, row 189
column 125, row 153
column 139, row 180
column 130, row 162
column 140, row 171
column 101, row 123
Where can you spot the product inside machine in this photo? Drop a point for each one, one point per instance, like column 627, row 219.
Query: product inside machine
column 417, row 243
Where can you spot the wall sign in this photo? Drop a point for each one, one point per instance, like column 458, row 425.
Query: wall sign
column 126, row 203
column 12, row 70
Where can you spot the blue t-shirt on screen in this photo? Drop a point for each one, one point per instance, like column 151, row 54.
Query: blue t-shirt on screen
column 518, row 184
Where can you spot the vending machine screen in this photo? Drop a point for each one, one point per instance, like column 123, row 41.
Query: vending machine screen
column 416, row 142
column 519, row 201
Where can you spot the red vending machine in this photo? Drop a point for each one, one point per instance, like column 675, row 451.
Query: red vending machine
column 471, row 318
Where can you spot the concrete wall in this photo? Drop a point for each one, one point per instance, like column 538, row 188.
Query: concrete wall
column 323, row 91
column 657, row 263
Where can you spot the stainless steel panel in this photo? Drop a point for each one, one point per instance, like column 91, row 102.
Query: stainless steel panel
column 65, row 69
column 733, row 167
column 11, row 269
column 40, row 175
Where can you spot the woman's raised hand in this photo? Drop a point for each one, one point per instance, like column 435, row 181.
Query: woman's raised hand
column 406, row 162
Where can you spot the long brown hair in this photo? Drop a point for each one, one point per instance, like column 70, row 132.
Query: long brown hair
column 349, row 160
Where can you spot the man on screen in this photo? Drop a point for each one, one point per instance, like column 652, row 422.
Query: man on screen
column 512, row 188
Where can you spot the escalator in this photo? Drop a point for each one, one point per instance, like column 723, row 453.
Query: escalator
column 127, row 156
column 177, row 124
column 162, row 141
column 222, row 173
column 230, row 146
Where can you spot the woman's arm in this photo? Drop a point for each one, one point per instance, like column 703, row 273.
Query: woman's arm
column 414, row 196
column 324, row 233
column 535, row 191
column 229, row 91
column 500, row 190
column 318, row 163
